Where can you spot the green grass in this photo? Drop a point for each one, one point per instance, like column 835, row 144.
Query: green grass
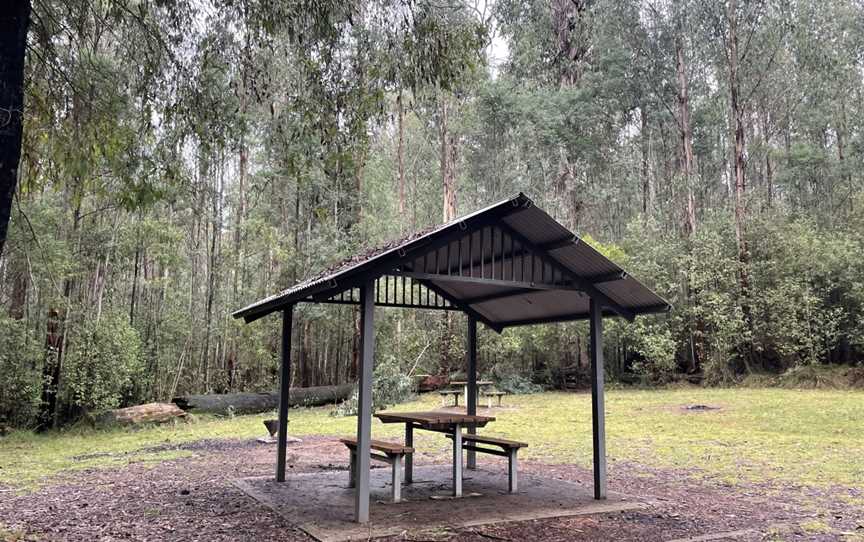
column 812, row 437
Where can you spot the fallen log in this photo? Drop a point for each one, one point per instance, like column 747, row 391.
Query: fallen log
column 148, row 413
column 253, row 403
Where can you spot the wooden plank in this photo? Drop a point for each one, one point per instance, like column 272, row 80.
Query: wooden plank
column 433, row 418
column 504, row 443
column 380, row 445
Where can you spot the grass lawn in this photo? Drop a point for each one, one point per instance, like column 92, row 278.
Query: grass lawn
column 812, row 437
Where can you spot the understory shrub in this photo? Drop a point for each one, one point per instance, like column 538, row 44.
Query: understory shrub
column 516, row 384
column 391, row 385
column 103, row 367
column 20, row 379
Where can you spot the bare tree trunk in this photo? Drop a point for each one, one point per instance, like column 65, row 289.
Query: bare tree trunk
column 686, row 165
column 305, row 367
column 645, row 173
column 400, row 159
column 51, row 369
column 737, row 112
column 686, row 134
column 18, row 267
column 212, row 271
column 572, row 35
column 355, row 346
column 135, row 275
column 769, row 167
column 448, row 159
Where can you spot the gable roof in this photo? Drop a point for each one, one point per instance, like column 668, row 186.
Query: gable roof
column 526, row 242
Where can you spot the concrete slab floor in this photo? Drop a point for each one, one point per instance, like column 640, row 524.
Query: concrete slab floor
column 322, row 504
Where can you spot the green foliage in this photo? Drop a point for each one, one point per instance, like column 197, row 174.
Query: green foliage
column 656, row 347
column 20, row 378
column 390, row 386
column 180, row 163
column 517, row 384
column 103, row 369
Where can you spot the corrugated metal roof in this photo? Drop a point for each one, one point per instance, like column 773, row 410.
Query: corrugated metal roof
column 529, row 248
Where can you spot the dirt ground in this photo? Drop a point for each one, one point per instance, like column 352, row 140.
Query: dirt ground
column 193, row 499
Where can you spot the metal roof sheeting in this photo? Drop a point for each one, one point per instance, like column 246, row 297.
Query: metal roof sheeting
column 506, row 229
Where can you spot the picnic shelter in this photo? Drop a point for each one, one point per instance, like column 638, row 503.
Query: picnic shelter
column 509, row 264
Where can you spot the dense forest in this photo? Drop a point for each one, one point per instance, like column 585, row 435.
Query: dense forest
column 182, row 159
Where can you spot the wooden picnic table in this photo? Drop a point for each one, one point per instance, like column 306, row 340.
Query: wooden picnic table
column 480, row 384
column 441, row 422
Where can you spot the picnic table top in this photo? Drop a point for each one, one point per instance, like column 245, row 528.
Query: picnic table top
column 435, row 419
column 465, row 382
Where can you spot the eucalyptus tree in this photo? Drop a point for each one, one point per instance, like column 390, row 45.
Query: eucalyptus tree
column 13, row 29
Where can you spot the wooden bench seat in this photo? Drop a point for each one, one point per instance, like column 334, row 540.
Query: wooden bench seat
column 454, row 393
column 509, row 449
column 490, row 394
column 392, row 453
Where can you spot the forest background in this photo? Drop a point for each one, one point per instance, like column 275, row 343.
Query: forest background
column 182, row 159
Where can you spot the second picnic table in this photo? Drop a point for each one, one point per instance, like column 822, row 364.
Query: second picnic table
column 440, row 422
column 480, row 385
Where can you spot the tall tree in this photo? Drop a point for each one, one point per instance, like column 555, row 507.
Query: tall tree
column 14, row 22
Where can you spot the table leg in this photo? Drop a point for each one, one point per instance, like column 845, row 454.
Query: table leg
column 466, row 395
column 397, row 479
column 471, row 462
column 457, row 460
column 409, row 458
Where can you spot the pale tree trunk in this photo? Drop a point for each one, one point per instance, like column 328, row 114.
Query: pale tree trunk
column 841, row 153
column 448, row 178
column 686, row 135
column 572, row 36
column 239, row 268
column 103, row 277
column 686, row 170
column 305, row 367
column 645, row 172
column 737, row 112
column 769, row 166
column 400, row 159
column 136, row 273
column 571, row 28
column 448, row 159
column 212, row 270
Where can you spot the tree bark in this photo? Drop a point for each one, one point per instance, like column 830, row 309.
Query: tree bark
column 400, row 159
column 13, row 44
column 448, row 159
column 737, row 111
column 571, row 33
column 147, row 413
column 18, row 267
column 51, row 369
column 252, row 403
column 645, row 173
column 685, row 133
